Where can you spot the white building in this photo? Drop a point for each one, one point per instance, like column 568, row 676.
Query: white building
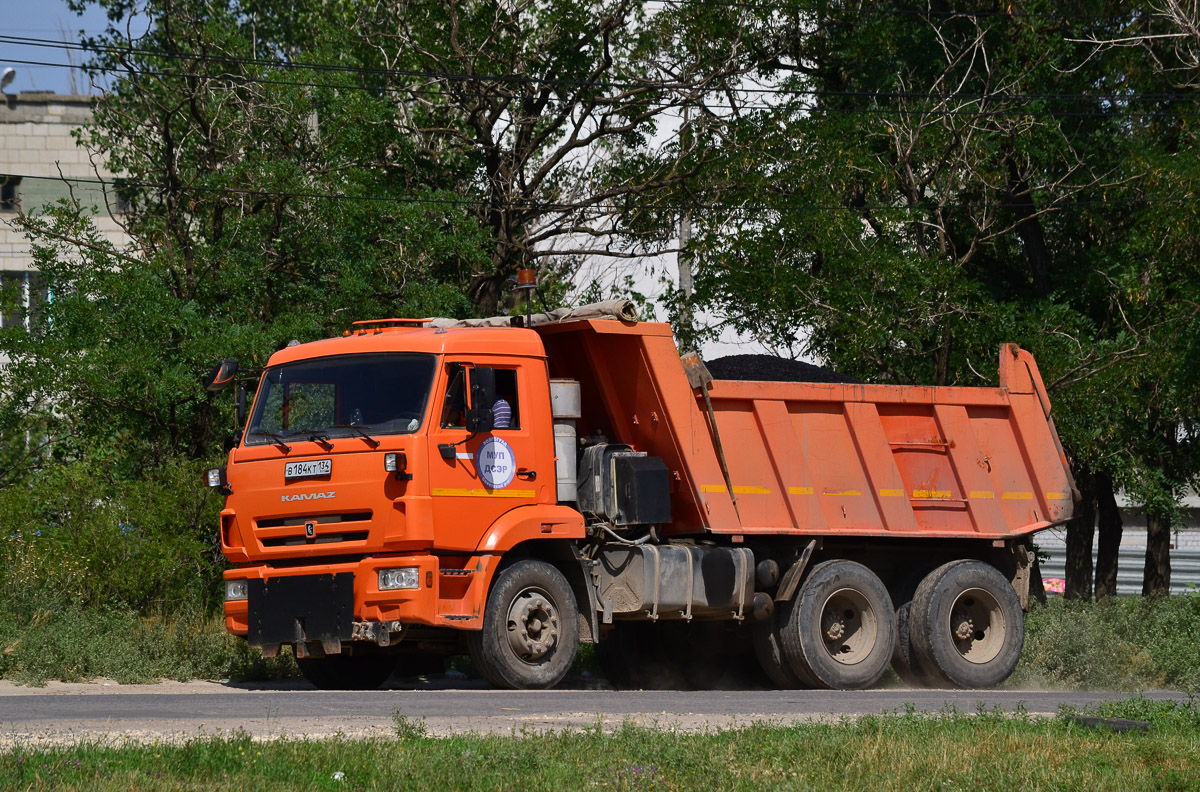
column 40, row 164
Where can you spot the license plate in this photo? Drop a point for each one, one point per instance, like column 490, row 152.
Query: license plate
column 313, row 468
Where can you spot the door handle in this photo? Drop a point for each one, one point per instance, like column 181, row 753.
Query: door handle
column 528, row 475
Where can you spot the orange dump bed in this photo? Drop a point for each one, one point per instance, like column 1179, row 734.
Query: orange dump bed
column 820, row 458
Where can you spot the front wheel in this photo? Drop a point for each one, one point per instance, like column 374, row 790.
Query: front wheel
column 530, row 628
column 966, row 625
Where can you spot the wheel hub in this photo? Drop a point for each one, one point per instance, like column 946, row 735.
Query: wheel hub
column 532, row 626
column 848, row 626
column 978, row 626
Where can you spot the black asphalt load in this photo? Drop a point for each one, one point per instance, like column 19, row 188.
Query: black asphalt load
column 767, row 368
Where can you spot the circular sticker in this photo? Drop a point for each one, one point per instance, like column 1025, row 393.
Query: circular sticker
column 495, row 463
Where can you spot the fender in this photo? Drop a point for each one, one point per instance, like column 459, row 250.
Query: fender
column 536, row 521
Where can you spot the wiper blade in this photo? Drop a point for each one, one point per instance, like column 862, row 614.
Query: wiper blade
column 274, row 438
column 316, row 437
column 362, row 432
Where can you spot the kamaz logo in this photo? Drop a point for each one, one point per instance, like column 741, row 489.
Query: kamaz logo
column 303, row 496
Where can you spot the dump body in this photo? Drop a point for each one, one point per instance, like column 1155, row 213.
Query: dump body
column 376, row 508
column 822, row 458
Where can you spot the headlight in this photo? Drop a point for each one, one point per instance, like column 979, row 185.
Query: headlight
column 402, row 578
column 389, row 462
column 214, row 477
column 236, row 589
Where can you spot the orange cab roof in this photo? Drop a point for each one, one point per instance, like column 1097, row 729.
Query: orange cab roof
column 513, row 341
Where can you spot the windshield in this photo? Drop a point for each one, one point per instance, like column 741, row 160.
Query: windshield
column 342, row 396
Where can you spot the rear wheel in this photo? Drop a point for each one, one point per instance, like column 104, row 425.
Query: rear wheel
column 966, row 626
column 530, row 628
column 768, row 647
column 841, row 628
column 347, row 672
column 904, row 662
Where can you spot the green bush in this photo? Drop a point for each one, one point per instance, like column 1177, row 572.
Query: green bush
column 76, row 537
column 1123, row 643
column 77, row 645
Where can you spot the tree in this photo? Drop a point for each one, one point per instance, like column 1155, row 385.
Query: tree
column 557, row 104
column 933, row 183
column 261, row 208
column 262, row 203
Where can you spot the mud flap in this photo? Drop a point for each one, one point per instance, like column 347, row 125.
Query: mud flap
column 301, row 608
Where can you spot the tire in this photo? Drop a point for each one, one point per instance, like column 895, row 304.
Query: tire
column 841, row 629
column 966, row 625
column 904, row 663
column 530, row 628
column 347, row 672
column 768, row 647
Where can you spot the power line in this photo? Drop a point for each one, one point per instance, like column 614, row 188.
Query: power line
column 612, row 208
column 920, row 12
column 748, row 106
column 520, row 79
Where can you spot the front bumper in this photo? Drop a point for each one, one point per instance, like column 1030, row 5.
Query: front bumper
column 332, row 597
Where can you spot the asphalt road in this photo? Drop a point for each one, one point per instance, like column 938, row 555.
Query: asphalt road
column 179, row 711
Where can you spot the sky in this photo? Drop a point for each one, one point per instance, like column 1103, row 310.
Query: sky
column 45, row 20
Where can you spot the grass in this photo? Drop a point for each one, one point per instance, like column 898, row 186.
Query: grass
column 904, row 751
column 1128, row 643
column 75, row 645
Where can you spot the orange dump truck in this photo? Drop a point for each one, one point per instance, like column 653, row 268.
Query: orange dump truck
column 409, row 491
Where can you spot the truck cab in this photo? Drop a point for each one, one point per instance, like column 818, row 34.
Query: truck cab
column 372, row 490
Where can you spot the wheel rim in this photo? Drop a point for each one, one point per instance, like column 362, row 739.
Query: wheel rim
column 849, row 627
column 532, row 625
column 977, row 626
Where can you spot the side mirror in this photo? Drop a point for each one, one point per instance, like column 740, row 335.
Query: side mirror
column 483, row 386
column 480, row 419
column 222, row 375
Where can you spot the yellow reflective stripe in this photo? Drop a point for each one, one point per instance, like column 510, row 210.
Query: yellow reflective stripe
column 988, row 494
column 736, row 490
column 799, row 490
column 851, row 493
column 1056, row 496
column 1017, row 496
column 481, row 493
column 892, row 493
column 931, row 493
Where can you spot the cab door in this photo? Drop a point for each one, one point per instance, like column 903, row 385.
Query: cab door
column 476, row 477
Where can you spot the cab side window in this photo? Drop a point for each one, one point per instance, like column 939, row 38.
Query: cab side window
column 506, row 408
column 454, row 409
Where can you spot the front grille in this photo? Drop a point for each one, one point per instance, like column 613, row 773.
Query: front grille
column 315, row 561
column 323, row 519
column 329, row 538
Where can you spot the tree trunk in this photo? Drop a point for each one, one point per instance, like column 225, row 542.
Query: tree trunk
column 1107, row 554
column 1156, row 580
column 1080, row 530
